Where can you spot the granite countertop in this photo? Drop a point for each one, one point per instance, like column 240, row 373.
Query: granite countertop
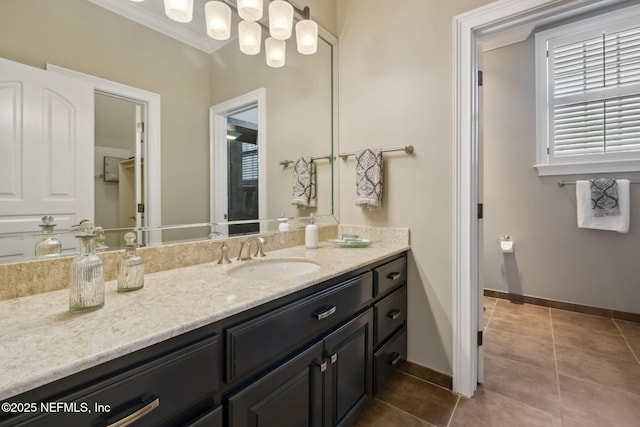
column 40, row 341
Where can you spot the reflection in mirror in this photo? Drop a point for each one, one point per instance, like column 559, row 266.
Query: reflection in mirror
column 242, row 171
column 87, row 38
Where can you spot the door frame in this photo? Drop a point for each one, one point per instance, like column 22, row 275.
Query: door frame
column 151, row 147
column 468, row 29
column 218, row 153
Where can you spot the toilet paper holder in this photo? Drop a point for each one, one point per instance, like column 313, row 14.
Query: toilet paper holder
column 506, row 244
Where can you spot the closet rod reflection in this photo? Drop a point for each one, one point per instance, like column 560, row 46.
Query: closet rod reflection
column 563, row 183
column 408, row 149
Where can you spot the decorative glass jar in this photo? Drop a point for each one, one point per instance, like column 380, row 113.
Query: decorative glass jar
column 86, row 290
column 49, row 246
column 130, row 266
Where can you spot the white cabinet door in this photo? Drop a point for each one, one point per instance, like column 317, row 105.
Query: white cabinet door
column 46, row 153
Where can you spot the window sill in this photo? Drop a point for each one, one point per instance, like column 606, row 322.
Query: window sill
column 586, row 168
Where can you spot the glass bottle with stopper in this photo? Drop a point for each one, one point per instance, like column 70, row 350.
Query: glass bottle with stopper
column 49, row 246
column 86, row 290
column 130, row 266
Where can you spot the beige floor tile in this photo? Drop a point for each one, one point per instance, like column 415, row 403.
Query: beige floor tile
column 537, row 352
column 419, row 398
column 609, row 344
column 603, row 325
column 488, row 409
column 381, row 414
column 586, row 404
column 535, row 327
column 631, row 332
column 537, row 387
column 522, row 310
column 598, row 369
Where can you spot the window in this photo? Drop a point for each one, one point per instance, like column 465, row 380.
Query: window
column 249, row 162
column 588, row 95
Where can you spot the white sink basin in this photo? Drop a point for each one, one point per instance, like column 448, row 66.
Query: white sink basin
column 270, row 269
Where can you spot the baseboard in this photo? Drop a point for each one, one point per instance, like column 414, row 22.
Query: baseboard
column 586, row 309
column 428, row 374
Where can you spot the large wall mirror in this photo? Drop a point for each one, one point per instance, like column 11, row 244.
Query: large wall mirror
column 83, row 36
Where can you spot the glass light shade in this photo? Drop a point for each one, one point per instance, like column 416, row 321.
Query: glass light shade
column 250, row 10
column 250, row 37
column 275, row 50
column 307, row 37
column 218, row 16
column 137, row 1
column 179, row 10
column 280, row 19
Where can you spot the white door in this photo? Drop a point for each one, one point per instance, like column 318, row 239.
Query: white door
column 46, row 153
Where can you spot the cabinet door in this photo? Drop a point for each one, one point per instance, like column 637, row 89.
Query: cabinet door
column 289, row 396
column 349, row 374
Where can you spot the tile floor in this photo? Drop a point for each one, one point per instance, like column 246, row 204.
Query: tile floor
column 543, row 367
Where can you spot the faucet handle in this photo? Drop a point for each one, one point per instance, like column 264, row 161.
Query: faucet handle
column 224, row 257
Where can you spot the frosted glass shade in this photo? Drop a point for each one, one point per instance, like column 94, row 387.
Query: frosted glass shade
column 275, row 50
column 179, row 10
column 218, row 16
column 250, row 37
column 250, row 10
column 307, row 37
column 280, row 19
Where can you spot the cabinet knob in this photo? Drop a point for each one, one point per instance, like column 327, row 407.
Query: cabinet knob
column 322, row 366
column 333, row 358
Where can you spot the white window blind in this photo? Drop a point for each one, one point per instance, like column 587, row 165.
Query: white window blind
column 592, row 93
column 249, row 162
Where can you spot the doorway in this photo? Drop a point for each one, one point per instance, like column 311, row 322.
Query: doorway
column 118, row 159
column 469, row 29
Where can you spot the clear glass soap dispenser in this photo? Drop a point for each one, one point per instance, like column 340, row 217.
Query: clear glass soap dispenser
column 86, row 290
column 49, row 246
column 130, row 266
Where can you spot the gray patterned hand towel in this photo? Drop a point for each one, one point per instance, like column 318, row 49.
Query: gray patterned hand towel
column 369, row 178
column 604, row 197
column 304, row 183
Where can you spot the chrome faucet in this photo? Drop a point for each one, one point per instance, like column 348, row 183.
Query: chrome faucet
column 247, row 243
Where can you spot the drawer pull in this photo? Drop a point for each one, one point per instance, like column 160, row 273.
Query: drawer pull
column 325, row 312
column 394, row 276
column 395, row 358
column 150, row 403
column 322, row 366
column 394, row 314
column 333, row 358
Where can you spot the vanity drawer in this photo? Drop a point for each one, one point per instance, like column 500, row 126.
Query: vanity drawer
column 388, row 358
column 262, row 341
column 390, row 275
column 390, row 314
column 154, row 391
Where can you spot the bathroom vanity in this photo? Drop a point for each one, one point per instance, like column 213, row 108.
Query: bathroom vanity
column 197, row 347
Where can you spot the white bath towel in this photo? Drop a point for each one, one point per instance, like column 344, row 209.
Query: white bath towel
column 586, row 217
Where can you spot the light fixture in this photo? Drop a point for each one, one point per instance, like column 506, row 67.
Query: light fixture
column 250, row 10
column 179, row 10
column 307, row 37
column 250, row 37
column 280, row 19
column 281, row 12
column 275, row 51
column 218, row 17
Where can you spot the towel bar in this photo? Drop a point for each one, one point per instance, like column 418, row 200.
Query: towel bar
column 563, row 183
column 286, row 163
column 408, row 149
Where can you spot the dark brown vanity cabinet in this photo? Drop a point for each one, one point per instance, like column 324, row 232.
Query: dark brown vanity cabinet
column 313, row 358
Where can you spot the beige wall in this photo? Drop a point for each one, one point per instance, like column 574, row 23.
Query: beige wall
column 396, row 88
column 553, row 258
column 81, row 36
